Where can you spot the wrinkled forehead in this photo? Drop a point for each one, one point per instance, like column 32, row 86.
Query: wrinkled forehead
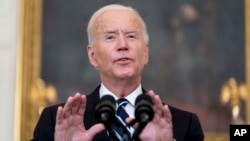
column 118, row 20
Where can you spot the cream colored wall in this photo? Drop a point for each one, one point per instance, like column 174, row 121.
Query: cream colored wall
column 8, row 50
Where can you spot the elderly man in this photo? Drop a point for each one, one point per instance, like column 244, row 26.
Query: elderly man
column 118, row 49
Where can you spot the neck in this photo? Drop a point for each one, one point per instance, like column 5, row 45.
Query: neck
column 121, row 88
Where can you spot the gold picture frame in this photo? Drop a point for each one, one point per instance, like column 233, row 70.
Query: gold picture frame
column 28, row 69
column 31, row 90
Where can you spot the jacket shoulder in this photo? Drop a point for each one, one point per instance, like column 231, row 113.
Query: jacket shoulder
column 186, row 125
column 45, row 126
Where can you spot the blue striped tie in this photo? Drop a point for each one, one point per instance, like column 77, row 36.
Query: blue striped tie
column 121, row 115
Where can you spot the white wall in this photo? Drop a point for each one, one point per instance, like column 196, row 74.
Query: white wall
column 8, row 51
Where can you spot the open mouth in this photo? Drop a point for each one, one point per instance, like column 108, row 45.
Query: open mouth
column 123, row 61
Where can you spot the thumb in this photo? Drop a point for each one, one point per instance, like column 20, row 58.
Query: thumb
column 96, row 129
column 131, row 122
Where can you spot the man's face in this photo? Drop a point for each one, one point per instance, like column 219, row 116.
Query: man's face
column 119, row 50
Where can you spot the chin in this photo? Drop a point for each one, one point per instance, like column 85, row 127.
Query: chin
column 125, row 73
column 124, row 76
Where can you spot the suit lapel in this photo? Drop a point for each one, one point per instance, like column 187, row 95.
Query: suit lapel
column 89, row 117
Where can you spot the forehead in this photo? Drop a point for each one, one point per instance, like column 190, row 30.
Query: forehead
column 118, row 19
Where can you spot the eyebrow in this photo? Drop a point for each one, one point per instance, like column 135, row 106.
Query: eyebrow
column 133, row 31
column 114, row 31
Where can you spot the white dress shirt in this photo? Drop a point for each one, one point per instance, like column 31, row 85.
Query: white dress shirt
column 129, row 108
column 131, row 98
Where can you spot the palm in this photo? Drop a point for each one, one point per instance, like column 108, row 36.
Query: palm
column 160, row 128
column 69, row 122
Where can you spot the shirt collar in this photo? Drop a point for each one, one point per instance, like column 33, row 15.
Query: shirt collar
column 131, row 97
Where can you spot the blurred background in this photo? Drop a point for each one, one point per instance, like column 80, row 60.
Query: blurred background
column 198, row 58
column 195, row 47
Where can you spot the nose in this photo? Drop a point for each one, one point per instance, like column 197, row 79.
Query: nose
column 123, row 44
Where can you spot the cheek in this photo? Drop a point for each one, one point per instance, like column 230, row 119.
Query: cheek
column 102, row 56
column 143, row 56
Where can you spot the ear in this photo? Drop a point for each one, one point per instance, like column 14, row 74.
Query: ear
column 91, row 55
column 146, row 54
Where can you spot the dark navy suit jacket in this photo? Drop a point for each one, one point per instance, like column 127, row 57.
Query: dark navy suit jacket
column 186, row 125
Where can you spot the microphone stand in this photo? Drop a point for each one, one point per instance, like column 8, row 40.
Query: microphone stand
column 126, row 136
column 111, row 130
column 138, row 130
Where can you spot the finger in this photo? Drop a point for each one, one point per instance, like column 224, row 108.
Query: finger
column 167, row 114
column 68, row 107
column 158, row 105
column 95, row 129
column 135, row 125
column 59, row 115
column 130, row 121
column 151, row 94
column 76, row 103
column 82, row 105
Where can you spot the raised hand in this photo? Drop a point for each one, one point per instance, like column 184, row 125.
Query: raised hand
column 69, row 121
column 160, row 128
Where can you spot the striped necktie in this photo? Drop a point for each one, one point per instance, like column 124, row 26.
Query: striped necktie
column 121, row 129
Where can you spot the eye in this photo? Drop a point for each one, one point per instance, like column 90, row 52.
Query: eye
column 131, row 36
column 110, row 37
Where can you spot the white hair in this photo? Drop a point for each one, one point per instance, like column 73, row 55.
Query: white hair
column 90, row 28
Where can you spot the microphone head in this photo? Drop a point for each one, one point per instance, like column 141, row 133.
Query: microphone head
column 105, row 110
column 144, row 108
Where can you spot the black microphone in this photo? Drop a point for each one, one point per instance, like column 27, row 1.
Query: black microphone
column 144, row 113
column 144, row 108
column 105, row 110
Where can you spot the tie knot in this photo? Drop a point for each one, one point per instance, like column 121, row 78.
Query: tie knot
column 122, row 102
